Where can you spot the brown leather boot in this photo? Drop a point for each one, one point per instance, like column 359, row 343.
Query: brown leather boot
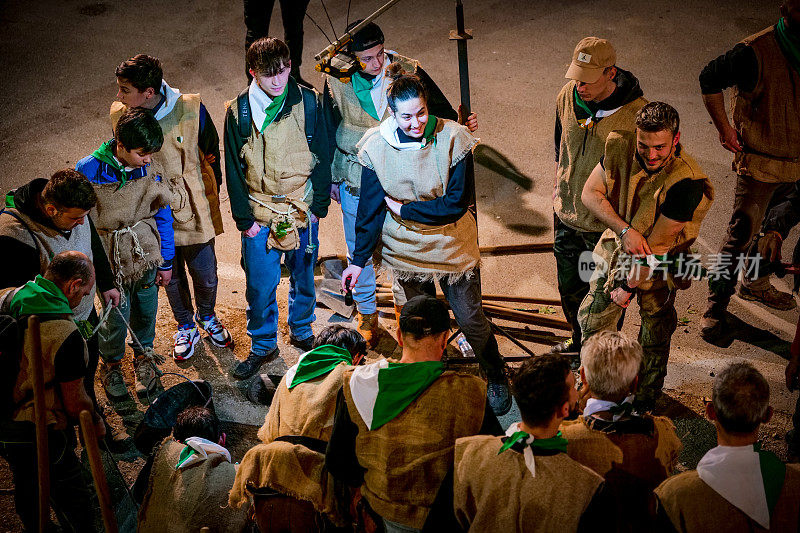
column 771, row 297
column 368, row 327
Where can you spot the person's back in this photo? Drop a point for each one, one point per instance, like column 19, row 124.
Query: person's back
column 189, row 480
column 525, row 481
column 737, row 486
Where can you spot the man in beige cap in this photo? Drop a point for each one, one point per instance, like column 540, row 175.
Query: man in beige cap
column 599, row 98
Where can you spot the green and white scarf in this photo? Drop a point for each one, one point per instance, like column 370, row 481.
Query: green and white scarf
column 551, row 446
column 789, row 43
column 318, row 362
column 363, row 89
column 388, row 130
column 382, row 390
column 198, row 449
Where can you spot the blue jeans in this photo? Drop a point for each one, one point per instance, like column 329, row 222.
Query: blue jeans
column 364, row 291
column 139, row 306
column 201, row 262
column 262, row 269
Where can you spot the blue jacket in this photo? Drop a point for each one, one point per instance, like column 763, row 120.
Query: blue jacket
column 100, row 173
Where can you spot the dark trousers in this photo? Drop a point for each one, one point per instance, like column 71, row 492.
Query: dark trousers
column 751, row 202
column 568, row 245
column 257, row 15
column 201, row 262
column 464, row 298
column 70, row 497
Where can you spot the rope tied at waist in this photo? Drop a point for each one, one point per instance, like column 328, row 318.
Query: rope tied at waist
column 137, row 250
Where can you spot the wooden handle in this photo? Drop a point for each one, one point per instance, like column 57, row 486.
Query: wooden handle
column 98, row 474
column 40, row 421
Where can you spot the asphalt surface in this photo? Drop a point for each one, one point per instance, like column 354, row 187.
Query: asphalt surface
column 58, row 61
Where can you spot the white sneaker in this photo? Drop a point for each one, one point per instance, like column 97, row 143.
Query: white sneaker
column 185, row 339
column 217, row 333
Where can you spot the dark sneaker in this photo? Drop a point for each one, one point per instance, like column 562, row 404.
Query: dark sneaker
column 217, row 333
column 261, row 390
column 252, row 364
column 304, row 344
column 772, row 297
column 114, row 382
column 564, row 346
column 499, row 396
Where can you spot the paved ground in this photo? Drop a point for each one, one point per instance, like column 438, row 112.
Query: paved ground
column 58, row 60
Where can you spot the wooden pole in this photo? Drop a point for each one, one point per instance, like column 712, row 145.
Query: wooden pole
column 98, row 474
column 40, row 421
column 521, row 299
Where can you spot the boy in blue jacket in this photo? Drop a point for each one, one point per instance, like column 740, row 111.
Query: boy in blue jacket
column 134, row 221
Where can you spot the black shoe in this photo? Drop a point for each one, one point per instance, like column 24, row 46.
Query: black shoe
column 250, row 366
column 304, row 344
column 261, row 390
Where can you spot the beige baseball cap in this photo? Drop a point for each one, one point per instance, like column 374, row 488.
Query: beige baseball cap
column 590, row 57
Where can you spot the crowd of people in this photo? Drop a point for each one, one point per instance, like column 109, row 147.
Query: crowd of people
column 408, row 445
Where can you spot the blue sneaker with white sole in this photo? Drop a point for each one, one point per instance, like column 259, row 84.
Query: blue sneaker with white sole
column 185, row 340
column 217, row 333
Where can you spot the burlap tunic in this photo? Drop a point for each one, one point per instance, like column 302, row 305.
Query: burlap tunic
column 355, row 122
column 306, row 410
column 413, row 250
column 497, row 493
column 195, row 202
column 767, row 119
column 637, row 197
column 407, row 458
column 694, row 507
column 580, row 151
column 189, row 498
column 124, row 220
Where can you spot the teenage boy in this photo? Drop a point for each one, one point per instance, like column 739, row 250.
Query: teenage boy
column 351, row 109
column 189, row 162
column 134, row 221
column 525, row 481
column 278, row 176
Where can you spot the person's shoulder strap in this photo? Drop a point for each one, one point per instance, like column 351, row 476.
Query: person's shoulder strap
column 244, row 117
column 310, row 108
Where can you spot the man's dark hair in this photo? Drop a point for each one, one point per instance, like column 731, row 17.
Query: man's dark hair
column 196, row 422
column 267, row 56
column 423, row 316
column 404, row 86
column 741, row 398
column 367, row 37
column 69, row 189
column 658, row 116
column 67, row 266
column 540, row 387
column 141, row 71
column 343, row 337
column 138, row 128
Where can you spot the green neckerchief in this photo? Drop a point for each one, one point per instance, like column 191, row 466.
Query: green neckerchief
column 399, row 385
column 789, row 43
column 362, row 87
column 106, row 154
column 186, row 453
column 580, row 103
column 39, row 297
column 429, row 133
column 773, row 473
column 10, row 200
column 273, row 108
column 319, row 362
column 557, row 443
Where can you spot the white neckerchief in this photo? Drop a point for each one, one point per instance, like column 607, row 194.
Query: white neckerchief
column 527, row 453
column 734, row 472
column 203, row 447
column 388, row 129
column 170, row 97
column 600, row 114
column 364, row 388
column 593, row 405
column 259, row 100
column 380, row 84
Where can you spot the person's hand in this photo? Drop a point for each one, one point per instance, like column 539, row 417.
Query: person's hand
column 252, row 231
column 313, row 218
column 335, row 193
column 471, row 122
column 111, row 297
column 394, row 205
column 163, row 277
column 633, row 243
column 353, row 272
column 730, row 139
column 769, row 246
column 621, row 297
